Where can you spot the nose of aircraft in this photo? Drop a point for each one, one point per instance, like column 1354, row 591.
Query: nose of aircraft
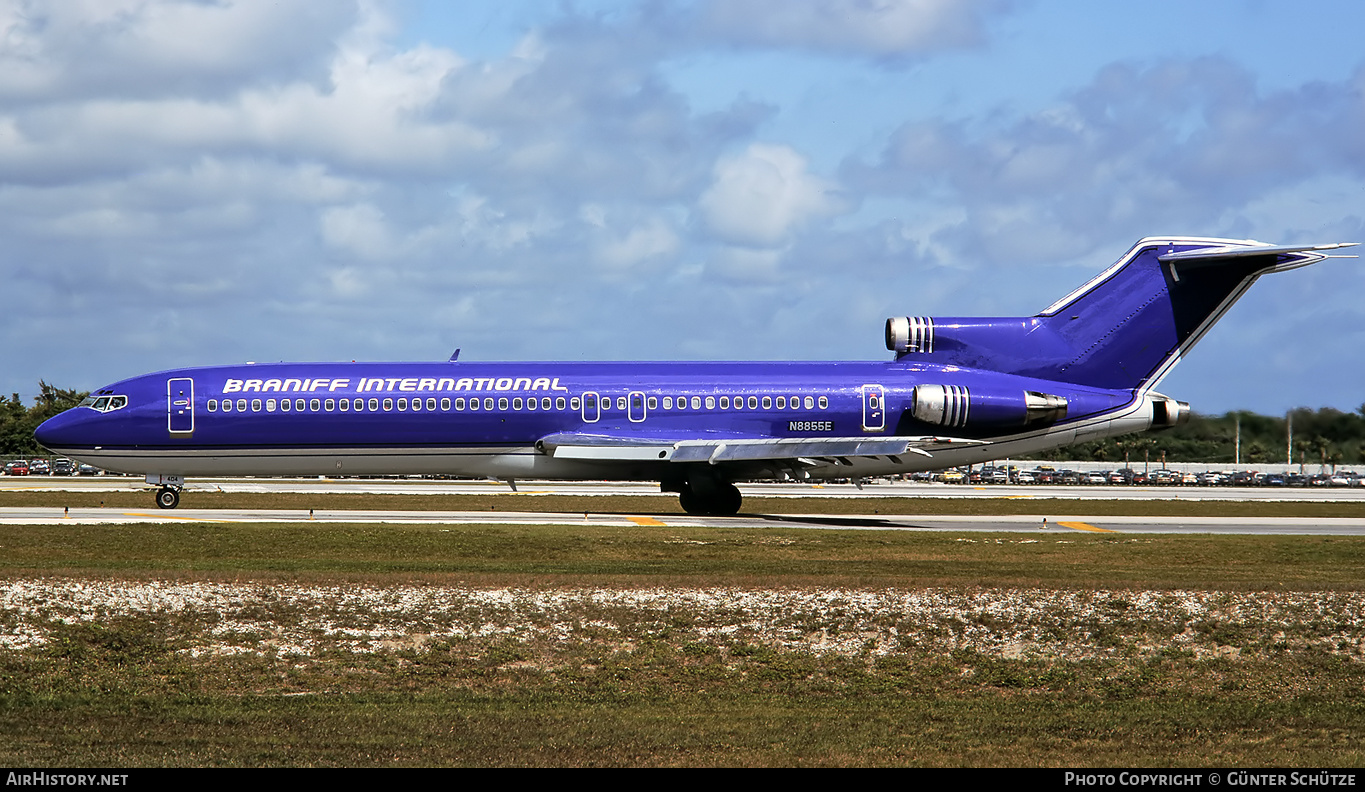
column 62, row 430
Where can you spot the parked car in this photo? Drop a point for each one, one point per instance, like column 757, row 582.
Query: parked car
column 63, row 467
column 17, row 467
column 39, row 467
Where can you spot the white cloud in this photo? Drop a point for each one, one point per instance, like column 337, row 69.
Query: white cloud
column 651, row 240
column 868, row 27
column 159, row 47
column 359, row 229
column 762, row 196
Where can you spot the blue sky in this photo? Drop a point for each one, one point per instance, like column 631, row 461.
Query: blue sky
column 186, row 183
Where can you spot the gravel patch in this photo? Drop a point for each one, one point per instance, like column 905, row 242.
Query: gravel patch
column 301, row 621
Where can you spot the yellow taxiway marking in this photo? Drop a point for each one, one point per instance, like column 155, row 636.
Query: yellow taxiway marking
column 1080, row 526
column 644, row 521
column 171, row 517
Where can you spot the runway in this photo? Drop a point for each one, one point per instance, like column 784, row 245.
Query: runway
column 1077, row 523
column 1075, row 519
column 879, row 489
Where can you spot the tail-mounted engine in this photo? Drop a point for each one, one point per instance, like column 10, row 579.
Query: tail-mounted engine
column 1168, row 413
column 957, row 406
column 910, row 334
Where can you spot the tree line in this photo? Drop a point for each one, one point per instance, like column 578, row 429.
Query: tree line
column 17, row 422
column 1324, row 436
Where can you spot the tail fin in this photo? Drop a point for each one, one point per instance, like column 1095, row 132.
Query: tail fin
column 1124, row 329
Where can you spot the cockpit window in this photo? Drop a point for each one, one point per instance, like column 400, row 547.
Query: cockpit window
column 104, row 403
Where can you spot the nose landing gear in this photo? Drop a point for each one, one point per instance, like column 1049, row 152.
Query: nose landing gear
column 168, row 497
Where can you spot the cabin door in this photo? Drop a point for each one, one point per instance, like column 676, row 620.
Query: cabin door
column 874, row 408
column 180, row 405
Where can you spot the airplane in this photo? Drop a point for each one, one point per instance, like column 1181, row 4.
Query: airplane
column 958, row 391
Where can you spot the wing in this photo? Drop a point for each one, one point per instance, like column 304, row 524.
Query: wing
column 814, row 450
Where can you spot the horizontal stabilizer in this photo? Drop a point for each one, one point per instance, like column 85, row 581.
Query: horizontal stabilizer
column 1242, row 251
column 716, row 451
column 1288, row 256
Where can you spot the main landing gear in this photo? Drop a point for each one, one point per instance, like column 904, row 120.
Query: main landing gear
column 168, row 497
column 703, row 494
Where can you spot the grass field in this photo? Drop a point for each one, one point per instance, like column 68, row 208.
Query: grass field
column 317, row 644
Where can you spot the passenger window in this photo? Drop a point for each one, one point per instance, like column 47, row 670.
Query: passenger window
column 531, row 404
column 227, row 405
column 710, row 402
column 781, row 402
column 502, row 403
column 330, row 404
column 270, row 405
column 809, row 402
column 696, row 402
column 388, row 405
column 241, row 405
column 488, row 403
column 298, row 405
column 402, row 404
column 725, row 402
column 345, row 405
column 653, row 402
column 668, row 402
column 285, row 404
column 213, row 405
column 621, row 403
column 516, row 403
column 559, row 403
column 753, row 402
column 431, row 405
column 255, row 405
column 545, row 402
column 445, row 405
column 374, row 405
column 574, row 402
column 767, row 402
column 416, row 405
column 824, row 403
column 473, row 404
column 314, row 404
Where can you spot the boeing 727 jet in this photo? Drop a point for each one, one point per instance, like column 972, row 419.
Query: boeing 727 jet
column 958, row 391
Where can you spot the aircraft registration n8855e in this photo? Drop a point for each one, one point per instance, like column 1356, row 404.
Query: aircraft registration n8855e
column 958, row 391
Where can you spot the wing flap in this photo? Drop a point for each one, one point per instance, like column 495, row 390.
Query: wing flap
column 749, row 449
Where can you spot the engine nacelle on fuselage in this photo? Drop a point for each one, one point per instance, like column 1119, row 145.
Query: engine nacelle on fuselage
column 959, row 406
